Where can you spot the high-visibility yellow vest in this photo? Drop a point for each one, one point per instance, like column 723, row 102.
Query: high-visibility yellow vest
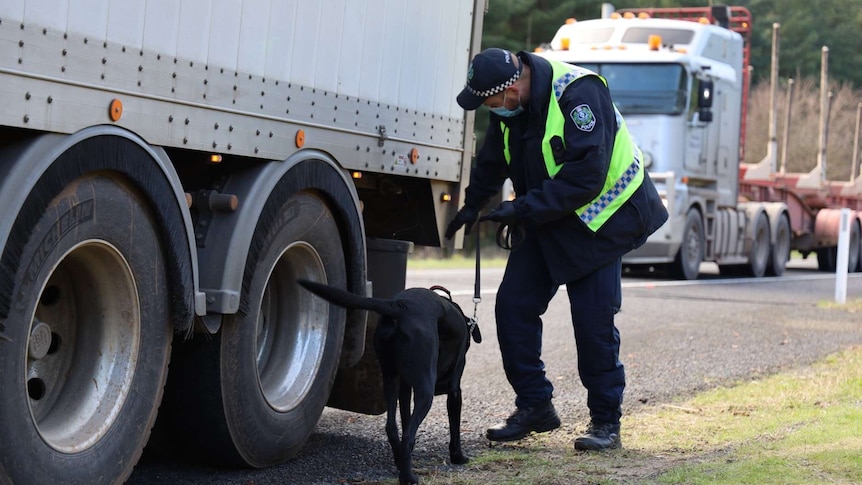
column 625, row 173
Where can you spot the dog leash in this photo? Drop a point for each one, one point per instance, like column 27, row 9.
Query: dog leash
column 477, row 296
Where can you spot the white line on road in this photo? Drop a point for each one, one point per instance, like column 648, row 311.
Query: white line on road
column 656, row 284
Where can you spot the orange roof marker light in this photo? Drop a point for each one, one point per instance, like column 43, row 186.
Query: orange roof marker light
column 616, row 15
column 654, row 42
column 643, row 15
column 628, row 15
column 571, row 20
column 703, row 20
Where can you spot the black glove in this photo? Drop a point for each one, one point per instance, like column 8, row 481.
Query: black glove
column 465, row 217
column 504, row 213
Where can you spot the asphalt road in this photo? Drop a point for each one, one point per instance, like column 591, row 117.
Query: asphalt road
column 677, row 338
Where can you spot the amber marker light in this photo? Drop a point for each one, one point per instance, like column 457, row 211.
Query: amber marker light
column 654, row 42
column 444, row 197
column 414, row 156
column 115, row 110
column 564, row 43
column 356, row 175
column 299, row 139
column 215, row 158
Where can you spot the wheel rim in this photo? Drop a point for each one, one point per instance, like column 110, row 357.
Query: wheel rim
column 761, row 250
column 783, row 246
column 83, row 346
column 692, row 250
column 781, row 250
column 853, row 254
column 291, row 328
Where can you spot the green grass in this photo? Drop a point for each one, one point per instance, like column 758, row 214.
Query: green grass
column 853, row 306
column 803, row 426
column 456, row 261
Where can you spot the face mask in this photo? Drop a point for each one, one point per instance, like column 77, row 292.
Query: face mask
column 505, row 112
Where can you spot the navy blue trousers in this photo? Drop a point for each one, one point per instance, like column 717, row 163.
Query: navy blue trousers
column 523, row 298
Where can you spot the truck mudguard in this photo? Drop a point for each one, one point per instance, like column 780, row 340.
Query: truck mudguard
column 24, row 164
column 222, row 259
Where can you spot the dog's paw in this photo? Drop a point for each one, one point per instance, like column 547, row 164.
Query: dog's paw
column 410, row 479
column 458, row 459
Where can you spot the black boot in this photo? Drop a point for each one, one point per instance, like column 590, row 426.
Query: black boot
column 599, row 436
column 524, row 421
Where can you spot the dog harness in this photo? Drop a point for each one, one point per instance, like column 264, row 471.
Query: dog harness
column 472, row 323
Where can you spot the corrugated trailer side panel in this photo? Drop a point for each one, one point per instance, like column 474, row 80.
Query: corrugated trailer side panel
column 346, row 47
column 376, row 71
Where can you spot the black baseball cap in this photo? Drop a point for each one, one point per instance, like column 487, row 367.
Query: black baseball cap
column 491, row 71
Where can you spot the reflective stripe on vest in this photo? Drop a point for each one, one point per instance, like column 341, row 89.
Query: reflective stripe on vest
column 625, row 173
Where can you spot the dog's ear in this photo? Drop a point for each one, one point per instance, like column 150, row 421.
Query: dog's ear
column 474, row 331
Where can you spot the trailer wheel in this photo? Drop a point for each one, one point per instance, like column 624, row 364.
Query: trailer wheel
column 90, row 336
column 780, row 251
column 686, row 265
column 853, row 254
column 758, row 256
column 252, row 394
column 827, row 258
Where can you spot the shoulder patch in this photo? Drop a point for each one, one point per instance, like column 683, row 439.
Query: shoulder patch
column 583, row 117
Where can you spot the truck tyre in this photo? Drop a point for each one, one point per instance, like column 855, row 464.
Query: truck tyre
column 826, row 259
column 759, row 254
column 690, row 254
column 853, row 253
column 252, row 394
column 89, row 333
column 780, row 251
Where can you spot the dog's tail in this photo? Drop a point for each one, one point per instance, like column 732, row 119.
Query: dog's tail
column 350, row 300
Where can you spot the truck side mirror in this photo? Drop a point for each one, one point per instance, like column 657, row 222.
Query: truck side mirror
column 704, row 97
column 704, row 100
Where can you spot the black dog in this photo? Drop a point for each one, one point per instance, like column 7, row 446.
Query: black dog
column 421, row 342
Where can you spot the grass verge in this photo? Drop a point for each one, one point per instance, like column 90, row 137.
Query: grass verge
column 455, row 261
column 803, row 426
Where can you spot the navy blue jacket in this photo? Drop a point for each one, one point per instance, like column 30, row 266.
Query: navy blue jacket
column 546, row 206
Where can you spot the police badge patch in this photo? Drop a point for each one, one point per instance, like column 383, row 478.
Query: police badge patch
column 583, row 117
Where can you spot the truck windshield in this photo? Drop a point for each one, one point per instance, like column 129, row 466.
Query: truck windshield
column 645, row 88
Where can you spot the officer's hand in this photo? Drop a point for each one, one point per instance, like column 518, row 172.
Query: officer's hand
column 504, row 213
column 465, row 217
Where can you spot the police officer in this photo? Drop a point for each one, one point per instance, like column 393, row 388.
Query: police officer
column 583, row 200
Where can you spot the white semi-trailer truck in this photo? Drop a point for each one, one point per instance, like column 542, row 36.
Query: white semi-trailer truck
column 680, row 77
column 167, row 170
